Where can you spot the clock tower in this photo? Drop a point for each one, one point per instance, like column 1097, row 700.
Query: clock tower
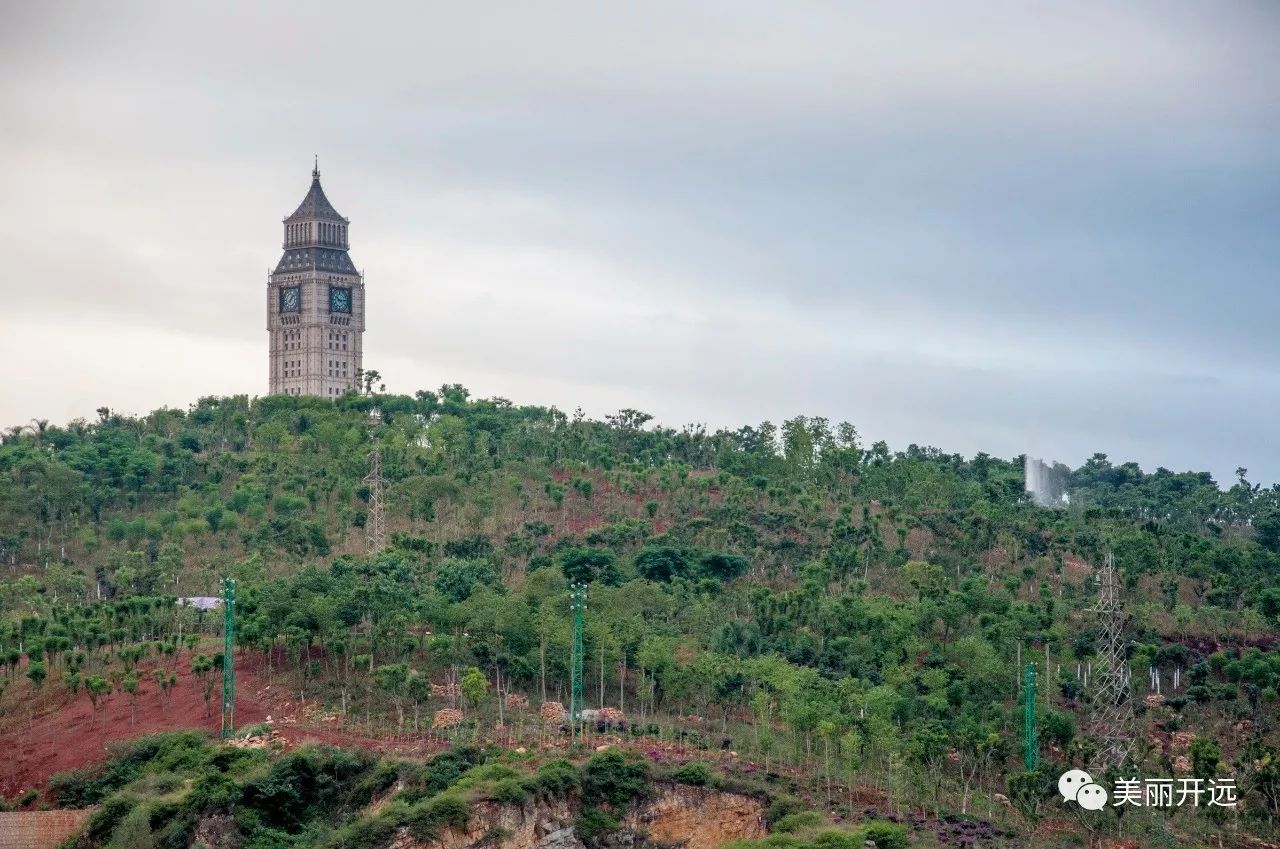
column 315, row 304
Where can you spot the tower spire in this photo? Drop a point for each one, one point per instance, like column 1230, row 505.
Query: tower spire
column 315, row 171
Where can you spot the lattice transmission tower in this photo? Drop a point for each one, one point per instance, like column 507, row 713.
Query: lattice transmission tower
column 1031, row 746
column 578, row 604
column 229, row 658
column 375, row 526
column 1112, row 696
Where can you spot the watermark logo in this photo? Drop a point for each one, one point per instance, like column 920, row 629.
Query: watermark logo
column 1076, row 785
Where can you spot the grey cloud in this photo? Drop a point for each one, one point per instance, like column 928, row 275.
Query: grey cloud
column 1002, row 228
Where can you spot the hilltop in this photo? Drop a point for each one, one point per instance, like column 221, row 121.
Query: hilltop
column 785, row 600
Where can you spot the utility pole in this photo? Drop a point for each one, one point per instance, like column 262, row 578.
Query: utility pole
column 1031, row 750
column 1112, row 701
column 578, row 604
column 229, row 658
column 375, row 525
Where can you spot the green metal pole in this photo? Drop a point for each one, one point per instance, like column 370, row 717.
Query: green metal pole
column 1032, row 752
column 578, row 605
column 228, row 658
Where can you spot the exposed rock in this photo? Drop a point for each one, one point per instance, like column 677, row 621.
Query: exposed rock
column 696, row 818
column 563, row 838
column 676, row 816
column 504, row 827
column 218, row 832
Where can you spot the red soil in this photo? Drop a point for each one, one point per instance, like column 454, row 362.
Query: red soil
column 61, row 733
column 45, row 732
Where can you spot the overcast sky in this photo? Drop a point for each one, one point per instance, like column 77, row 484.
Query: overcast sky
column 1006, row 227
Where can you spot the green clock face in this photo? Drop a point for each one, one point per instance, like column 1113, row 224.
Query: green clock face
column 339, row 299
column 289, row 300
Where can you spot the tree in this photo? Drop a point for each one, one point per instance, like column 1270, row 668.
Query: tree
column 1269, row 605
column 394, row 679
column 98, row 689
column 722, row 566
column 456, row 578
column 1267, row 528
column 474, row 687
column 37, row 673
column 130, row 685
column 1205, row 758
column 661, row 563
column 927, row 747
column 589, row 564
column 202, row 668
column 366, row 379
column 928, row 579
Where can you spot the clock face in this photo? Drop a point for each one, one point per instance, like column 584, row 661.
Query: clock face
column 339, row 299
column 289, row 300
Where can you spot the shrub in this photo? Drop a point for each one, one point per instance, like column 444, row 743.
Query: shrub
column 797, row 822
column 611, row 778
column 426, row 820
column 557, row 779
column 509, row 791
column 781, row 807
column 694, row 772
column 108, row 816
column 593, row 823
column 842, row 840
column 440, row 773
column 481, row 774
column 155, row 753
column 383, row 775
column 213, row 792
column 134, row 829
column 885, row 835
column 1059, row 726
column 306, row 782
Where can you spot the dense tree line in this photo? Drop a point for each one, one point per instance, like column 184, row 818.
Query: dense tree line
column 813, row 601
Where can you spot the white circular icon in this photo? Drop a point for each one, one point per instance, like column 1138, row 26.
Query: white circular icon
column 1092, row 797
column 1071, row 782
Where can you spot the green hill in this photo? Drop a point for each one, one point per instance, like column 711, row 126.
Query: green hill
column 818, row 604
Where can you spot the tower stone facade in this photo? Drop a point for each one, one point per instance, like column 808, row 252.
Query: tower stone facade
column 315, row 304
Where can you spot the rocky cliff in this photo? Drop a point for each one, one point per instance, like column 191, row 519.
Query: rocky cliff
column 675, row 816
